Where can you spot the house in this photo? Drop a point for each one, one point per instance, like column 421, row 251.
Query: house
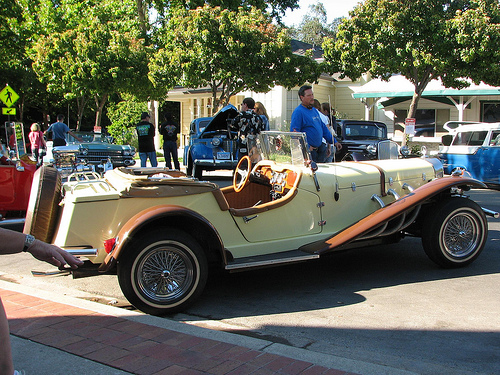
column 388, row 101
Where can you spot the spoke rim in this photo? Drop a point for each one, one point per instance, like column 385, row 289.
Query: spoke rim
column 461, row 235
column 165, row 274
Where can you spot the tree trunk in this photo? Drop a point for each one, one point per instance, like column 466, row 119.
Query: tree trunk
column 81, row 102
column 100, row 106
column 142, row 16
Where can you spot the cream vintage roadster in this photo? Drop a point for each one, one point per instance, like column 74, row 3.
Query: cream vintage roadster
column 162, row 232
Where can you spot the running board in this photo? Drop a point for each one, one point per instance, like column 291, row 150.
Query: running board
column 286, row 257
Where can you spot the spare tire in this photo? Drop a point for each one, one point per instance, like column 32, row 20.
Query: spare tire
column 43, row 206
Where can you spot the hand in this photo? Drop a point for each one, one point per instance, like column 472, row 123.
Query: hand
column 53, row 255
column 338, row 145
column 328, row 151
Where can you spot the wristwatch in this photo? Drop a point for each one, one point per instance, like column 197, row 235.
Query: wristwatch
column 28, row 241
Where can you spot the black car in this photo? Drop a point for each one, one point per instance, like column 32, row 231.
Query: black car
column 364, row 140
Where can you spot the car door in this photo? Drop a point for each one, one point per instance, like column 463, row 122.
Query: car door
column 299, row 217
column 490, row 158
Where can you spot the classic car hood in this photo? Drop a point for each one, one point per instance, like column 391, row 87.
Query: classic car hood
column 219, row 122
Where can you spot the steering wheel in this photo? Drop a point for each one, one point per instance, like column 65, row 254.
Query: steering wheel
column 242, row 173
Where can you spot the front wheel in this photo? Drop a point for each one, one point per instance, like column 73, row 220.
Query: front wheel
column 455, row 233
column 162, row 271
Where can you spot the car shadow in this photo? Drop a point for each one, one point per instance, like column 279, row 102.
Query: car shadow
column 332, row 281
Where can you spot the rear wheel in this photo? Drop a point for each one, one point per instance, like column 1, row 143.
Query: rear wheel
column 455, row 232
column 163, row 271
column 43, row 205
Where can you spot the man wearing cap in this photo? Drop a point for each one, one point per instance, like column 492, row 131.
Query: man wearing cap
column 145, row 135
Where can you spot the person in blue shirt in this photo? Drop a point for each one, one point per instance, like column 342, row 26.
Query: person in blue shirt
column 306, row 119
column 59, row 130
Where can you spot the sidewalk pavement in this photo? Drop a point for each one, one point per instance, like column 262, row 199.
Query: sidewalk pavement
column 57, row 334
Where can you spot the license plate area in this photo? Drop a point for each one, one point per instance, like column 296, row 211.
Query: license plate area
column 223, row 155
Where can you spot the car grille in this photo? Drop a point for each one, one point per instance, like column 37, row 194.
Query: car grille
column 387, row 150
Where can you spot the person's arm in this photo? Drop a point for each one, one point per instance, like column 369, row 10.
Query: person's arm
column 75, row 136
column 327, row 134
column 15, row 242
column 296, row 122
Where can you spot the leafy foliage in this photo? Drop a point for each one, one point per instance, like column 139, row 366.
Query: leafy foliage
column 100, row 55
column 314, row 27
column 124, row 116
column 228, row 52
column 420, row 39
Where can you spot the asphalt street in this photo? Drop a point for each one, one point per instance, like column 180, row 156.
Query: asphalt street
column 387, row 305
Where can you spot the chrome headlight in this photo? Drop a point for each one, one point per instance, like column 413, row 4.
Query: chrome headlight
column 405, row 151
column 216, row 141
column 372, row 149
column 84, row 151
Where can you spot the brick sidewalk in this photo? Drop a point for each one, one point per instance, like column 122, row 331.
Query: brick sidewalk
column 137, row 347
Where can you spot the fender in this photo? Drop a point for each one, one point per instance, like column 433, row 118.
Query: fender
column 389, row 212
column 142, row 218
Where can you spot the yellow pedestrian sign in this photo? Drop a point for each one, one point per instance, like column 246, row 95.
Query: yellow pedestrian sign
column 8, row 111
column 8, row 96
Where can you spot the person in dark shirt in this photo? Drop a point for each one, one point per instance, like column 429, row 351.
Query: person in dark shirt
column 145, row 134
column 169, row 129
column 248, row 124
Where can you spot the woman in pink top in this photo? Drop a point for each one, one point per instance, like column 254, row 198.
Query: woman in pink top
column 36, row 140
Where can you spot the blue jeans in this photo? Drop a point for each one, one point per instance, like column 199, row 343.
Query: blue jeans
column 152, row 158
column 170, row 149
column 318, row 155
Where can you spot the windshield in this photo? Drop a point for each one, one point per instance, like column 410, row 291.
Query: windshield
column 364, row 131
column 88, row 137
column 280, row 147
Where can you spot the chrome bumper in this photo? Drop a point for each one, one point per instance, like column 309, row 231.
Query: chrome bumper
column 81, row 251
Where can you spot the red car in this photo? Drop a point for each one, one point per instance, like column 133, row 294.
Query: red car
column 16, row 175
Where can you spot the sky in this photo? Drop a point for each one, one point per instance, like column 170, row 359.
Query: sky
column 334, row 9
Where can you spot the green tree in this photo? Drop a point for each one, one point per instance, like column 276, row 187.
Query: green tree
column 98, row 53
column 275, row 8
column 228, row 52
column 314, row 27
column 124, row 116
column 420, row 39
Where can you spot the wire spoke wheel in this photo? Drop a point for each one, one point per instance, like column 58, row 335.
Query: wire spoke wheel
column 460, row 236
column 162, row 271
column 454, row 232
column 164, row 274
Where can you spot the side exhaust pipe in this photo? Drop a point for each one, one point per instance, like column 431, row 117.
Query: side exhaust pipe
column 491, row 213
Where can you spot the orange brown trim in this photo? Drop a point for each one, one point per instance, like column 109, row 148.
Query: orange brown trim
column 389, row 212
column 139, row 220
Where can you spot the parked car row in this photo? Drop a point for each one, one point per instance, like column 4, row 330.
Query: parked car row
column 96, row 153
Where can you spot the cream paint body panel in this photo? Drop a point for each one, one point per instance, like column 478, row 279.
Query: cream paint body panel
column 298, row 218
column 94, row 222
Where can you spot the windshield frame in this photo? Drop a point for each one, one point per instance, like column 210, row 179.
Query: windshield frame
column 280, row 147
